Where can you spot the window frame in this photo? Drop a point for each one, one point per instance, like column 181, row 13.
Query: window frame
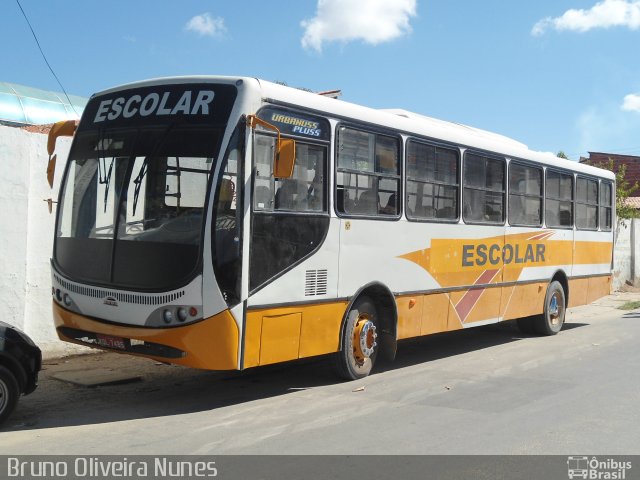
column 537, row 166
column 560, row 171
column 601, row 206
column 326, row 204
column 490, row 156
column 578, row 177
column 398, row 177
column 458, row 185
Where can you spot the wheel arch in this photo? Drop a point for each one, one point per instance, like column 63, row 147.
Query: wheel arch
column 385, row 303
column 561, row 276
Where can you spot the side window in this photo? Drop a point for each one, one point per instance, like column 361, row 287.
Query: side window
column 606, row 205
column 368, row 176
column 484, row 189
column 281, row 235
column 433, row 181
column 263, row 182
column 228, row 224
column 525, row 195
column 303, row 192
column 559, row 199
column 586, row 204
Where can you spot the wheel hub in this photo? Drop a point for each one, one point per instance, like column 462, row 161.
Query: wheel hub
column 553, row 306
column 364, row 339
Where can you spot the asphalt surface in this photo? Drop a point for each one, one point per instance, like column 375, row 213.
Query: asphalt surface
column 489, row 390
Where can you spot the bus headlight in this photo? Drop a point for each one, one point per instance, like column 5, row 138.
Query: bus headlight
column 182, row 314
column 167, row 316
column 67, row 299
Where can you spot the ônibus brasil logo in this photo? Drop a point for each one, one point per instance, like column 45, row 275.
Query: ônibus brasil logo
column 594, row 468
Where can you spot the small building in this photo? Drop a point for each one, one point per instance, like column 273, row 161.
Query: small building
column 20, row 106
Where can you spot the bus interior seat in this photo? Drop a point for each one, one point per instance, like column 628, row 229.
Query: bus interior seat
column 391, row 208
column 468, row 213
column 292, row 195
column 227, row 192
column 369, row 202
column 262, row 197
column 444, row 212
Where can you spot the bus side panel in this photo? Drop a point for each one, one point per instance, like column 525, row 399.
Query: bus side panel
column 410, row 313
column 287, row 333
column 598, row 287
column 592, row 263
column 578, row 290
column 523, row 300
column 423, row 315
column 435, row 316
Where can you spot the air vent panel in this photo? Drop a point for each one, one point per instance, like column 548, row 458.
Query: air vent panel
column 315, row 283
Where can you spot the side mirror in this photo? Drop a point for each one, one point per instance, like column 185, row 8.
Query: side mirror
column 285, row 159
column 65, row 128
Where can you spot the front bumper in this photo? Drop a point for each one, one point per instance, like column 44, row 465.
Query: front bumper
column 210, row 344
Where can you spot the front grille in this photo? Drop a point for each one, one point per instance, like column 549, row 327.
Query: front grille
column 139, row 299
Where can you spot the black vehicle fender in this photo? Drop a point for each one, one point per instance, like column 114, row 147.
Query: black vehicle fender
column 14, row 367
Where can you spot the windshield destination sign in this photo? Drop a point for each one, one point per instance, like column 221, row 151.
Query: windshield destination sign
column 187, row 103
column 152, row 104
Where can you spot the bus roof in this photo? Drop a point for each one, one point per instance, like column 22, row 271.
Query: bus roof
column 397, row 119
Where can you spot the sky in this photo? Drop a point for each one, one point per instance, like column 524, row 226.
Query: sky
column 553, row 74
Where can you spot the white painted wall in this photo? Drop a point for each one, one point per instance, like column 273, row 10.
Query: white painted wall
column 26, row 235
column 626, row 262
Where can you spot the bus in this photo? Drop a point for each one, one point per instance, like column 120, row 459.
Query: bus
column 228, row 223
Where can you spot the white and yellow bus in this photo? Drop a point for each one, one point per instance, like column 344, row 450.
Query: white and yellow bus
column 227, row 223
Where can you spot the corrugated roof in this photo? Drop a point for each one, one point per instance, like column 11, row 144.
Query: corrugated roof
column 633, row 202
column 31, row 106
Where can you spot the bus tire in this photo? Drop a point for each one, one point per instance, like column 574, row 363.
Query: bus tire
column 9, row 393
column 553, row 313
column 359, row 341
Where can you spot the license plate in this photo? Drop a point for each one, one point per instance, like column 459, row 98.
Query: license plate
column 111, row 342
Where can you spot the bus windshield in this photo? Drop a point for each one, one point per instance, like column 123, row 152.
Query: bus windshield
column 132, row 207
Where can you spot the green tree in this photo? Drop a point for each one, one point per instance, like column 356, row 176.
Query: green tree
column 624, row 189
column 561, row 154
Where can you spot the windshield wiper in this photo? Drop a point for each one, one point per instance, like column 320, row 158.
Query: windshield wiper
column 138, row 183
column 107, row 182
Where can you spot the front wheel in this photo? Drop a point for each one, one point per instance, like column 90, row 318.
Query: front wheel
column 555, row 307
column 359, row 341
column 9, row 393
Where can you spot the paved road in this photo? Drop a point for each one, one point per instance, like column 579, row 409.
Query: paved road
column 483, row 391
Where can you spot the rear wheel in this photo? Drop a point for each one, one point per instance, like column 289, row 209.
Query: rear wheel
column 359, row 341
column 552, row 318
column 9, row 393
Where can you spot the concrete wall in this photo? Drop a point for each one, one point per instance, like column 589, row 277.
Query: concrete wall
column 26, row 235
column 626, row 256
